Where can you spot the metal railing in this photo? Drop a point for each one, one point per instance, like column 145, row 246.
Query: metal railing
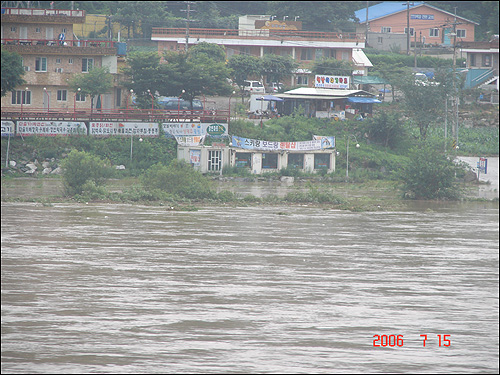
column 42, row 12
column 144, row 115
column 57, row 42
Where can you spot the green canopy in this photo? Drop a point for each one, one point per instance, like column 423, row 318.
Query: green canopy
column 369, row 80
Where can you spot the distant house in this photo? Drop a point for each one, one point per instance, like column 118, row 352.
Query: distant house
column 387, row 24
column 482, row 63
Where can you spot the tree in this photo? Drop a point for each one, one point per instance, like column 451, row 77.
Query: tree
column 333, row 67
column 12, row 71
column 96, row 82
column 207, row 50
column 143, row 74
column 391, row 73
column 243, row 66
column 277, row 67
column 429, row 174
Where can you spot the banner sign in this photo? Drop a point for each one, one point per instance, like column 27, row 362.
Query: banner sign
column 144, row 129
column 173, row 129
column 7, row 128
column 189, row 141
column 195, row 157
column 51, row 128
column 331, row 82
column 253, row 144
column 422, row 16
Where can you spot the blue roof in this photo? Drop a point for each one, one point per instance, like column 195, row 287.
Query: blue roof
column 383, row 9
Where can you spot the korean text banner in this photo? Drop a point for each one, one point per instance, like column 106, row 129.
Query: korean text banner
column 253, row 144
column 331, row 82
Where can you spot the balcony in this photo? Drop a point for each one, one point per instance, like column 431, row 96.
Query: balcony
column 260, row 33
column 57, row 47
column 60, row 16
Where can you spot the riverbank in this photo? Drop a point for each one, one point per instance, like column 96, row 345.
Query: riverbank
column 376, row 195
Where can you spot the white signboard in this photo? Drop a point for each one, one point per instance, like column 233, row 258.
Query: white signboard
column 7, row 128
column 194, row 128
column 143, row 129
column 51, row 128
column 189, row 141
column 331, row 82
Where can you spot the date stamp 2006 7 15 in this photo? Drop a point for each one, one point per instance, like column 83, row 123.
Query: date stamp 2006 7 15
column 398, row 340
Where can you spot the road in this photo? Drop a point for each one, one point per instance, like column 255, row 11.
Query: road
column 491, row 176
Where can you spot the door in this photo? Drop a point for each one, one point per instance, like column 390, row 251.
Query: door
column 23, row 32
column 447, row 39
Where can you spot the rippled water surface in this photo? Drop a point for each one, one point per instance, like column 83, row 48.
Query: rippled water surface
column 135, row 289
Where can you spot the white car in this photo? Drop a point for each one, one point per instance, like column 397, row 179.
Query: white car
column 254, row 87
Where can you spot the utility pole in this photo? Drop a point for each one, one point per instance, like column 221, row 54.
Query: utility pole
column 366, row 25
column 455, row 86
column 188, row 10
column 408, row 28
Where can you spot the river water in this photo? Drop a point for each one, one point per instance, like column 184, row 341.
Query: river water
column 113, row 288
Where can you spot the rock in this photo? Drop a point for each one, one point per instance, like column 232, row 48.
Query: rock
column 120, row 167
column 12, row 164
column 31, row 166
column 46, row 170
column 58, row 170
column 45, row 164
column 287, row 179
column 30, row 171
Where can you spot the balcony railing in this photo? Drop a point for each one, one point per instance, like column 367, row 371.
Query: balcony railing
column 56, row 42
column 43, row 12
column 260, row 33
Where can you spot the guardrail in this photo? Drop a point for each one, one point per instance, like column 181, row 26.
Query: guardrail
column 42, row 12
column 58, row 42
column 145, row 115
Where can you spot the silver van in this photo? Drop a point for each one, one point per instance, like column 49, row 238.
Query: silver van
column 254, row 87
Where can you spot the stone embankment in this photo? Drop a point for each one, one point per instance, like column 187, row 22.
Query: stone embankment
column 47, row 167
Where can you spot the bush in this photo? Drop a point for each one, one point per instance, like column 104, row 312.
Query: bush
column 178, row 178
column 429, row 174
column 80, row 168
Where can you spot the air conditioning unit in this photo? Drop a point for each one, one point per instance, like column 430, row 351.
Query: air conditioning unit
column 26, row 68
column 59, row 70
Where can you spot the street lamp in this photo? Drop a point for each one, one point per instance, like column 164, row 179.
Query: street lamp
column 229, row 119
column 128, row 96
column 48, row 99
column 347, row 154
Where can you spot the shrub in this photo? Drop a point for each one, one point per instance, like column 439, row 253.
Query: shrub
column 178, row 178
column 429, row 174
column 80, row 168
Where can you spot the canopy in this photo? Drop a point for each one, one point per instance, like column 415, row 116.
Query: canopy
column 270, row 98
column 369, row 80
column 356, row 99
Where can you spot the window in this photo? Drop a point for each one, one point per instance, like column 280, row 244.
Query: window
column 64, row 30
column 87, row 65
column 345, row 55
column 243, row 160
column 412, row 30
column 460, row 33
column 41, row 64
column 214, row 160
column 380, row 40
column 244, row 50
column 434, row 32
column 386, row 29
column 18, row 96
column 486, row 60
column 318, row 54
column 13, row 28
column 296, row 161
column 302, row 80
column 58, row 61
column 62, row 95
column 270, row 161
column 472, row 59
column 79, row 97
column 306, row 54
column 38, row 30
column 268, row 50
column 70, row 61
column 321, row 161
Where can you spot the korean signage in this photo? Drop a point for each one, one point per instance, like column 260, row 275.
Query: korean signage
column 195, row 157
column 189, row 140
column 50, row 128
column 143, row 129
column 7, row 128
column 331, row 82
column 253, row 144
column 194, row 129
column 422, row 16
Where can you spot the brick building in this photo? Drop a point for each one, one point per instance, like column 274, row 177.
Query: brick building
column 51, row 54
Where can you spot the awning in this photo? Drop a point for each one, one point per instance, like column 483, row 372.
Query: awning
column 362, row 100
column 369, row 80
column 360, row 59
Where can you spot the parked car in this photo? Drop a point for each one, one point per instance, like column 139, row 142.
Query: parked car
column 254, row 87
column 275, row 87
column 174, row 104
